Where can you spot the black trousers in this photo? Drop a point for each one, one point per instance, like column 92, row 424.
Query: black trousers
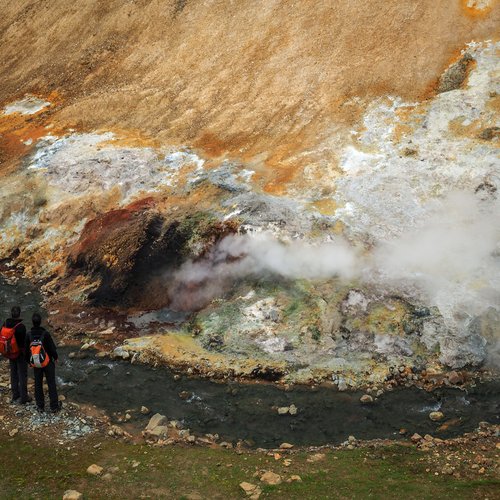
column 50, row 377
column 19, row 378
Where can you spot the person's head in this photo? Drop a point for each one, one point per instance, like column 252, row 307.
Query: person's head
column 15, row 312
column 36, row 319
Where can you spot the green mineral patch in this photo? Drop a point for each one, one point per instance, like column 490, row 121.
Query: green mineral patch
column 392, row 316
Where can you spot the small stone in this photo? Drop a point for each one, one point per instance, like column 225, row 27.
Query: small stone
column 293, row 409
column 13, row 432
column 158, row 431
column 287, row 462
column 436, row 416
column 286, row 446
column 251, row 490
column 62, row 397
column 135, row 464
column 72, row 495
column 85, row 347
column 317, row 457
column 351, row 439
column 454, row 378
column 120, row 352
column 294, row 477
column 248, row 488
column 107, row 477
column 116, row 431
column 271, row 478
column 283, row 410
column 342, row 385
column 366, row 398
column 94, row 470
column 145, row 410
column 191, row 439
column 416, row 438
column 447, row 469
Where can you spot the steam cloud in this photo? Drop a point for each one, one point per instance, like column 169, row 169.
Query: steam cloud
column 450, row 259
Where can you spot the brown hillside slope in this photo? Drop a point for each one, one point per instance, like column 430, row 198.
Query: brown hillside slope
column 232, row 77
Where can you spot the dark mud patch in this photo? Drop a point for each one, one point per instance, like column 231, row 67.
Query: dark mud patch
column 237, row 411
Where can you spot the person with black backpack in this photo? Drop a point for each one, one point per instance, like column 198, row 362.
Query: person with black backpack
column 12, row 342
column 42, row 355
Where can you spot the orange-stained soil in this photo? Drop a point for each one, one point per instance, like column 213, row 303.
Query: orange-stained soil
column 234, row 79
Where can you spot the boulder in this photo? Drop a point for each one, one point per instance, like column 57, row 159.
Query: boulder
column 155, row 421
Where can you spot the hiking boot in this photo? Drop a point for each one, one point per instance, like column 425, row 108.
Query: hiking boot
column 40, row 409
column 15, row 401
column 57, row 409
column 27, row 400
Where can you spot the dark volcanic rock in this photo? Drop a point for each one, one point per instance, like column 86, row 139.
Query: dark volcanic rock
column 454, row 77
column 131, row 250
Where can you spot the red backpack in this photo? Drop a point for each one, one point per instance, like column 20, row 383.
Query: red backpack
column 8, row 343
column 38, row 356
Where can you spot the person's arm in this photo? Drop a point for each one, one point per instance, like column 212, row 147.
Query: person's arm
column 50, row 346
column 21, row 336
column 27, row 342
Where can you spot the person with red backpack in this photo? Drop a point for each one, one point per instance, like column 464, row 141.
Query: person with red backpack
column 12, row 346
column 42, row 356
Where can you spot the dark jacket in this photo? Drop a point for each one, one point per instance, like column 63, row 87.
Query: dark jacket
column 48, row 344
column 20, row 332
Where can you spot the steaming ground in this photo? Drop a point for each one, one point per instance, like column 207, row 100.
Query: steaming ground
column 449, row 260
